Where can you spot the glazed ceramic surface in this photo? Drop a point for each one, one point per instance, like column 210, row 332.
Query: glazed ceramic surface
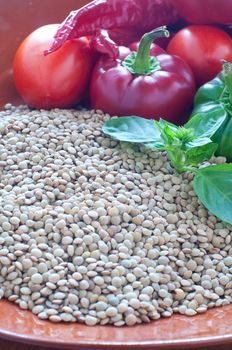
column 17, row 19
column 214, row 327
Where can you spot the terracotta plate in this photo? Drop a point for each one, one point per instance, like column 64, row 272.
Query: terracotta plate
column 17, row 19
column 214, row 327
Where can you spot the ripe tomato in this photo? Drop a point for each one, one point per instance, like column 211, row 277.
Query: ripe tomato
column 202, row 47
column 58, row 80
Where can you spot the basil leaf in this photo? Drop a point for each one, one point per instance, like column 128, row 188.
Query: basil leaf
column 171, row 126
column 206, row 119
column 155, row 145
column 213, row 186
column 200, row 141
column 167, row 134
column 132, row 129
column 197, row 155
column 167, row 130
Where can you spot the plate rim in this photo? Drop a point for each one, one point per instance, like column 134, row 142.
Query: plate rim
column 160, row 344
column 194, row 342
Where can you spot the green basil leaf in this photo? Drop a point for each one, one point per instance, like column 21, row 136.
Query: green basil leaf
column 167, row 130
column 155, row 145
column 213, row 186
column 171, row 126
column 132, row 129
column 168, row 134
column 198, row 155
column 206, row 119
column 197, row 142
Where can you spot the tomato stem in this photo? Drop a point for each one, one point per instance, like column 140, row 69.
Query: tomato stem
column 141, row 62
column 227, row 71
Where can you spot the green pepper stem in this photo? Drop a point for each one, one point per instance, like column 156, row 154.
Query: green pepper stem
column 227, row 71
column 141, row 62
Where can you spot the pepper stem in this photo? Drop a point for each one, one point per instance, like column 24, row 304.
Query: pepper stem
column 227, row 72
column 141, row 62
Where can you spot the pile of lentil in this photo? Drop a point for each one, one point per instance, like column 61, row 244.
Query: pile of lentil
column 99, row 232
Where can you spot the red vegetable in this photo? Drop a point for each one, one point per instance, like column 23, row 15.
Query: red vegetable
column 205, row 11
column 203, row 48
column 126, row 19
column 58, row 80
column 149, row 84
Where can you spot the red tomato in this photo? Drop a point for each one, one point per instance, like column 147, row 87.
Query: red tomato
column 202, row 47
column 58, row 80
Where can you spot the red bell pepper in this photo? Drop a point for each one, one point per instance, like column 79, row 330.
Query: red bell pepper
column 125, row 20
column 205, row 11
column 146, row 83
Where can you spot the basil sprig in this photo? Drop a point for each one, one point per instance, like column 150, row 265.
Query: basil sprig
column 187, row 147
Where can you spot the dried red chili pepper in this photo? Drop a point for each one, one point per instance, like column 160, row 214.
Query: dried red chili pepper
column 205, row 11
column 130, row 17
column 102, row 43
